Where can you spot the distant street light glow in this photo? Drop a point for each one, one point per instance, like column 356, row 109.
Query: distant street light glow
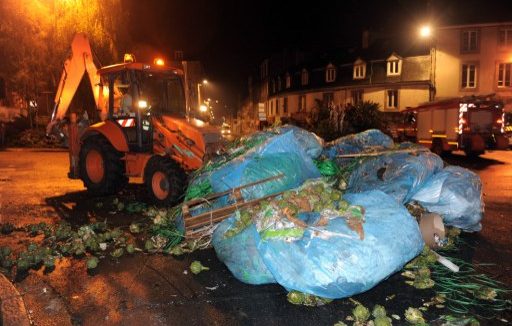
column 425, row 31
column 203, row 108
column 199, row 101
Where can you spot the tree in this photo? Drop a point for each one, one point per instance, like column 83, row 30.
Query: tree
column 35, row 36
column 363, row 116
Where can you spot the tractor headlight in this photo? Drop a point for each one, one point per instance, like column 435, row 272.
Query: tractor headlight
column 143, row 104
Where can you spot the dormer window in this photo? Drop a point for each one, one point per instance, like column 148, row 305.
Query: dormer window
column 394, row 65
column 330, row 73
column 359, row 69
column 288, row 80
column 304, row 77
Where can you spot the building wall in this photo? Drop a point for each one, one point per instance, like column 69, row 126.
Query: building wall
column 449, row 60
column 193, row 74
column 375, row 95
column 293, row 104
column 412, row 96
column 408, row 96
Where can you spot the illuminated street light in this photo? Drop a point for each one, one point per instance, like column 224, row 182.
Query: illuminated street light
column 425, row 31
column 203, row 108
column 199, row 93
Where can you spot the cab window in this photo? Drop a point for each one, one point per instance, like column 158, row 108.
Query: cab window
column 163, row 94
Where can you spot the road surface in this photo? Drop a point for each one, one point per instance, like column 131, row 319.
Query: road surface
column 157, row 290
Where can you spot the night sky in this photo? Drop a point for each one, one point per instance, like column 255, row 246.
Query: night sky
column 231, row 37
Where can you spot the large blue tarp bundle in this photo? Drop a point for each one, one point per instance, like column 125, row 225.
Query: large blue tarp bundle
column 311, row 143
column 456, row 194
column 281, row 154
column 368, row 140
column 285, row 151
column 330, row 261
column 398, row 174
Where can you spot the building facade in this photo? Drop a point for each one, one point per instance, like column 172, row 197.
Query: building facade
column 394, row 82
column 473, row 60
column 459, row 61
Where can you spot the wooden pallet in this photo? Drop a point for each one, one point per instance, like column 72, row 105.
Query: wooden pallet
column 196, row 225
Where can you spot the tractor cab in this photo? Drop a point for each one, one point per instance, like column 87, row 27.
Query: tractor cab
column 133, row 92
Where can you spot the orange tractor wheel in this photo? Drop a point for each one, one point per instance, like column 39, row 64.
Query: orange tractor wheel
column 165, row 180
column 101, row 167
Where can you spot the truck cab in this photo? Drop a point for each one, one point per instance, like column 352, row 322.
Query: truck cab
column 472, row 124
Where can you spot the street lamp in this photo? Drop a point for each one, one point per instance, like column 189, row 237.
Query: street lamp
column 199, row 85
column 425, row 32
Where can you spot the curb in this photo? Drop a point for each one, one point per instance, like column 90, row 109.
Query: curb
column 33, row 149
column 12, row 307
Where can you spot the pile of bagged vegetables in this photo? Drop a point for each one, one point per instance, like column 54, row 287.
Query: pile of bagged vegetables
column 342, row 217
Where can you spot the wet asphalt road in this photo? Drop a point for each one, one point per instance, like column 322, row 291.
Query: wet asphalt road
column 155, row 290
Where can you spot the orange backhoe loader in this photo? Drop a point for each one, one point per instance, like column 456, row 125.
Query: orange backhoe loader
column 140, row 125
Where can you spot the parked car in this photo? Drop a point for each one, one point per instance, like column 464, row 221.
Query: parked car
column 225, row 131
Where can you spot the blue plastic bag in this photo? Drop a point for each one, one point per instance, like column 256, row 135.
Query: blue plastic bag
column 399, row 175
column 281, row 154
column 240, row 254
column 310, row 142
column 334, row 263
column 371, row 139
column 456, row 194
column 330, row 261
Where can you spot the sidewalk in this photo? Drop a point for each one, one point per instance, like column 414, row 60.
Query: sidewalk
column 32, row 149
column 13, row 311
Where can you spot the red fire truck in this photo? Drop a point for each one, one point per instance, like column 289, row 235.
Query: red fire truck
column 471, row 124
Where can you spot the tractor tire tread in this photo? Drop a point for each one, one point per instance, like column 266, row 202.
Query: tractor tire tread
column 115, row 178
column 175, row 174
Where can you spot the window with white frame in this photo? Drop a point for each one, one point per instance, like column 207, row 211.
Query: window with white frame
column 302, row 103
column 288, row 80
column 394, row 67
column 330, row 73
column 357, row 96
column 468, row 79
column 304, row 77
column 359, row 69
column 504, row 76
column 392, row 99
column 505, row 36
column 469, row 41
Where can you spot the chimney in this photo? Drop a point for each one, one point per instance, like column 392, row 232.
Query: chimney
column 365, row 39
